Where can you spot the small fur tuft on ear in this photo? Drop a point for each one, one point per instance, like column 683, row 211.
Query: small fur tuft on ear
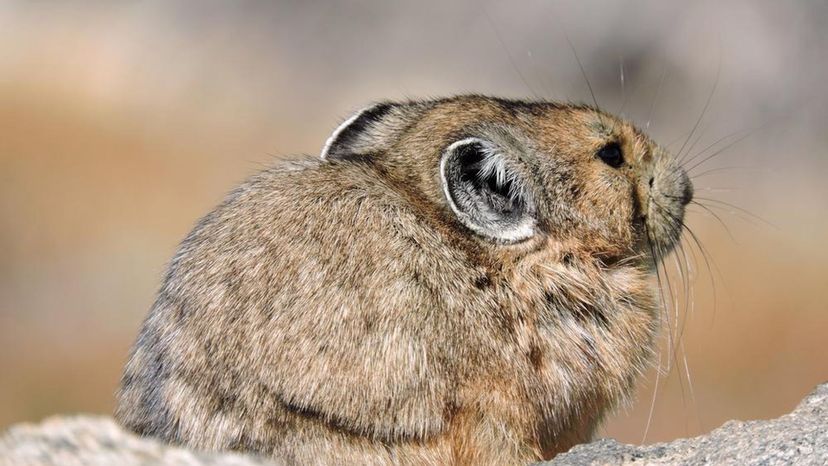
column 369, row 131
column 488, row 195
column 493, row 167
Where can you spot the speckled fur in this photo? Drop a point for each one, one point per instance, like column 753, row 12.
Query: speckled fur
column 336, row 312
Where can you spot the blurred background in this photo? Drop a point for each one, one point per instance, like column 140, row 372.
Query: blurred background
column 121, row 123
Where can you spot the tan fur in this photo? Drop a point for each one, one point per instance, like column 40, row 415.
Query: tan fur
column 335, row 311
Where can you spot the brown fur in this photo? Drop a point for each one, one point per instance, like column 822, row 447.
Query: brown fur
column 336, row 312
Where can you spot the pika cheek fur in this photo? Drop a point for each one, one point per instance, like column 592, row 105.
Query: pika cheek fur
column 455, row 281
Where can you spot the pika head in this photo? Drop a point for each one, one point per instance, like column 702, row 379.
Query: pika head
column 456, row 281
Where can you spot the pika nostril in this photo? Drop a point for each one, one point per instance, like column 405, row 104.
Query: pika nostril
column 652, row 180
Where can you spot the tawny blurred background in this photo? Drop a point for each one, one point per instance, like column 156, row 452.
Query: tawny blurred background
column 123, row 122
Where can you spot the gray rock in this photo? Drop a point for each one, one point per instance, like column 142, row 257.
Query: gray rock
column 800, row 437
column 99, row 441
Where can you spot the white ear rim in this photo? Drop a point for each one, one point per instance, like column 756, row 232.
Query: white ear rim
column 339, row 129
column 521, row 232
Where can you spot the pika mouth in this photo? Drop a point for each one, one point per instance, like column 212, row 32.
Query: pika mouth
column 663, row 227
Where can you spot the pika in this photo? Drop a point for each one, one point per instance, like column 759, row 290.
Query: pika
column 459, row 281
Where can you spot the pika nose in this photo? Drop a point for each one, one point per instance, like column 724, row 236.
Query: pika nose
column 687, row 194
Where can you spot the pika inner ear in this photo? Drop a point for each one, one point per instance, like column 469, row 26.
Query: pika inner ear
column 369, row 131
column 488, row 195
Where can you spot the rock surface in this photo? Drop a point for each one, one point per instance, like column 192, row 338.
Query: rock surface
column 99, row 441
column 800, row 437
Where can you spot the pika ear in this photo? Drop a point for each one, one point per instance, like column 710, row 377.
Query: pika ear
column 488, row 195
column 369, row 131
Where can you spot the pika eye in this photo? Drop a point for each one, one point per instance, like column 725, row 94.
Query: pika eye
column 611, row 155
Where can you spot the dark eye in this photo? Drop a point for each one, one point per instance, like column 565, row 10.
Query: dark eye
column 611, row 155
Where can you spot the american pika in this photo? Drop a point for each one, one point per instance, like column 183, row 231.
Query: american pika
column 456, row 281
